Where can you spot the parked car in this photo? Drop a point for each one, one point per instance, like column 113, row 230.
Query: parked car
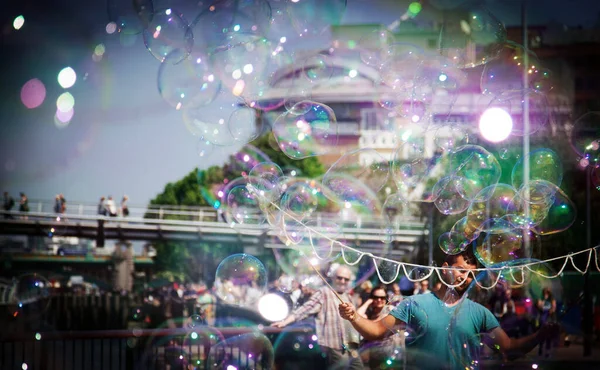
column 72, row 250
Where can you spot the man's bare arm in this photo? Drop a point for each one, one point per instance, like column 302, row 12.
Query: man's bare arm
column 370, row 330
column 517, row 347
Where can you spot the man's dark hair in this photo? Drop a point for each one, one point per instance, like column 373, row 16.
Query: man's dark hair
column 467, row 255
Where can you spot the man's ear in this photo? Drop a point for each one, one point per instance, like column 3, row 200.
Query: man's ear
column 445, row 264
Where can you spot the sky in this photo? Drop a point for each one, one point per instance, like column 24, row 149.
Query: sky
column 124, row 138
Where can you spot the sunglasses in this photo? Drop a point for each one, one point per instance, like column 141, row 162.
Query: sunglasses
column 379, row 297
column 341, row 278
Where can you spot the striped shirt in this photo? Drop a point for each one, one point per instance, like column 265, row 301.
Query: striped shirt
column 332, row 331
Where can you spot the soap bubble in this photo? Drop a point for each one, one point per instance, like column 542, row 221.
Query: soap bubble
column 265, row 177
column 449, row 200
column 561, row 214
column 213, row 121
column 311, row 17
column 474, row 39
column 300, row 199
column 493, row 202
column 243, row 205
column 504, row 75
column 238, row 274
column 374, row 47
column 350, row 194
column 252, row 350
column 226, row 18
column 308, row 129
column 585, row 135
column 465, row 229
column 323, row 235
column 514, row 105
column 167, row 31
column 544, row 164
column 317, row 68
column 187, row 80
column 453, row 242
column 130, row 17
column 499, row 247
column 478, row 167
column 204, row 148
column 366, row 165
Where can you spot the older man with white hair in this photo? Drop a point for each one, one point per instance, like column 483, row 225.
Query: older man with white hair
column 338, row 340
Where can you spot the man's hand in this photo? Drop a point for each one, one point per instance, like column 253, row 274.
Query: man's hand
column 285, row 322
column 347, row 311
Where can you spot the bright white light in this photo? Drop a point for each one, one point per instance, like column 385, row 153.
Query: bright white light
column 18, row 22
column 248, row 68
column 67, row 77
column 442, row 77
column 273, row 307
column 236, row 74
column 283, row 40
column 495, row 124
column 353, row 73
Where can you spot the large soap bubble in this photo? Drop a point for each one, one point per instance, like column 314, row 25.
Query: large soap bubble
column 252, row 350
column 240, row 279
column 168, row 31
column 585, row 137
column 477, row 166
column 366, row 165
column 514, row 105
column 544, row 164
column 472, row 37
column 308, row 129
column 187, row 81
column 130, row 17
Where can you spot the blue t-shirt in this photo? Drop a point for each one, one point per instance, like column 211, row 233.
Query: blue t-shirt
column 440, row 336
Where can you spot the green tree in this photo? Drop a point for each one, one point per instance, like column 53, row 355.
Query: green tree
column 185, row 261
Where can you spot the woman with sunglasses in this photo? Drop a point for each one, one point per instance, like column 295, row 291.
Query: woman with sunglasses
column 372, row 352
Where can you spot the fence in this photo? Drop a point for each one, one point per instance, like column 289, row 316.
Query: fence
column 193, row 348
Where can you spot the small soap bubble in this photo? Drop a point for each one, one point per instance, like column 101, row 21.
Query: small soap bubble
column 242, row 279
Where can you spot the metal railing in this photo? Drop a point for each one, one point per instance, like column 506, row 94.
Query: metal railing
column 192, row 348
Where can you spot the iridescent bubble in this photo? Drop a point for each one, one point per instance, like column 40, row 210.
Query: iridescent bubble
column 374, row 47
column 31, row 288
column 299, row 91
column 544, row 164
column 451, row 136
column 350, row 194
column 449, row 200
column 585, row 135
column 477, row 40
column 317, row 68
column 167, row 31
column 395, row 211
column 244, row 124
column 243, row 206
column 130, row 17
column 187, row 81
column 213, row 121
column 33, row 93
column 241, row 62
column 308, row 129
column 504, row 75
column 478, row 167
column 503, row 153
column 366, row 165
column 499, row 247
column 226, row 18
column 493, row 202
column 301, row 198
column 514, row 105
column 561, row 214
column 242, row 279
column 252, row 350
column 463, row 228
column 295, row 347
column 265, row 177
column 453, row 242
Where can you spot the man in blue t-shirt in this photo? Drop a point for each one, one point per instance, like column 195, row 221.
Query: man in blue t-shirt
column 443, row 330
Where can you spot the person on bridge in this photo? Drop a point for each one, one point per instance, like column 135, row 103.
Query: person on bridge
column 438, row 347
column 338, row 340
column 111, row 206
column 9, row 203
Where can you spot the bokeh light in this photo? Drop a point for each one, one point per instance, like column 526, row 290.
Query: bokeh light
column 33, row 93
column 18, row 22
column 495, row 125
column 67, row 77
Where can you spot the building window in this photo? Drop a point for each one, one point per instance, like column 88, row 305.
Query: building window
column 374, row 119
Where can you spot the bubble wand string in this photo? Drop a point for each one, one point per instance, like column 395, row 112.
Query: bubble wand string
column 402, row 265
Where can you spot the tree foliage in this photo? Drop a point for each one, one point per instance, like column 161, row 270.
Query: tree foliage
column 187, row 261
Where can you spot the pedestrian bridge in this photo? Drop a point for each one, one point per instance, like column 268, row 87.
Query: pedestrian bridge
column 203, row 224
